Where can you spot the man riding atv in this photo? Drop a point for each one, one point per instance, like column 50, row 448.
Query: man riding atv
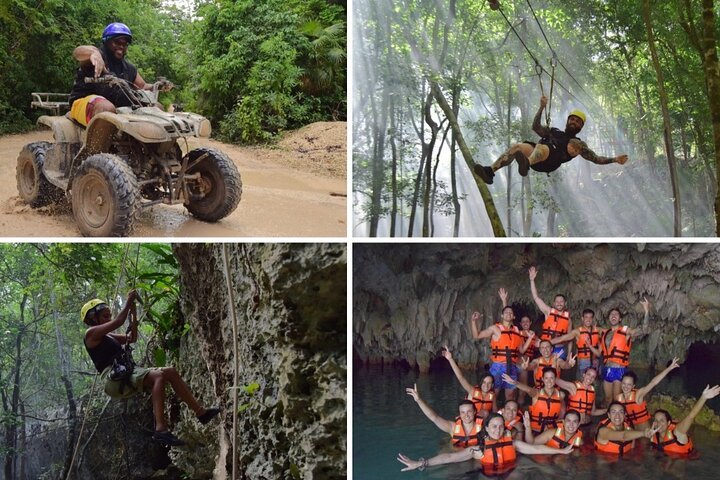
column 119, row 154
column 89, row 99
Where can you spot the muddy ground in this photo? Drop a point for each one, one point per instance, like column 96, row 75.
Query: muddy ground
column 297, row 188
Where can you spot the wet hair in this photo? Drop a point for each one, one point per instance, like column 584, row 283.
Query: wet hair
column 561, row 295
column 514, row 401
column 505, row 308
column 573, row 412
column 587, row 310
column 590, row 368
column 664, row 412
column 467, row 402
column 631, row 374
column 615, row 309
column 486, row 375
column 549, row 369
column 546, row 341
column 615, row 402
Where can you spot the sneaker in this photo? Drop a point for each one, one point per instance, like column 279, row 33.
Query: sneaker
column 486, row 173
column 167, row 439
column 209, row 414
column 523, row 163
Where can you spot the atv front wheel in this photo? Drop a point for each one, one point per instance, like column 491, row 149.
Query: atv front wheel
column 33, row 187
column 217, row 193
column 105, row 196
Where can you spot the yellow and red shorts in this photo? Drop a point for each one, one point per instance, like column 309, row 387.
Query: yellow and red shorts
column 79, row 110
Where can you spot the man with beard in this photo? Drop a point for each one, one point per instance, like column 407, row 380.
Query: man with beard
column 89, row 99
column 555, row 148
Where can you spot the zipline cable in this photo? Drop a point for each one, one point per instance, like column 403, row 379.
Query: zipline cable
column 555, row 56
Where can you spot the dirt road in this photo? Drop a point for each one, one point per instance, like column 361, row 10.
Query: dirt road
column 297, row 189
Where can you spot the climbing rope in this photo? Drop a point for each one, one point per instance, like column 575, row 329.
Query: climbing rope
column 231, row 301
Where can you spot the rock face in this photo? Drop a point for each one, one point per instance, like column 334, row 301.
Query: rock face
column 410, row 300
column 290, row 304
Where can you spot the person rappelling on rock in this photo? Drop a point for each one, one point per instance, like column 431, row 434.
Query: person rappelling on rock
column 554, row 148
column 616, row 345
column 110, row 354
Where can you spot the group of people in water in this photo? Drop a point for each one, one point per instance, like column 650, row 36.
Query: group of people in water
column 558, row 409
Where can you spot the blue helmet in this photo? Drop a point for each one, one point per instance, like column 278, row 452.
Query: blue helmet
column 115, row 30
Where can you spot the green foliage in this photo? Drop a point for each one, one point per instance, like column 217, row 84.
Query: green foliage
column 249, row 390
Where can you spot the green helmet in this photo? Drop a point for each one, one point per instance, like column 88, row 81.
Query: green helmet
column 93, row 306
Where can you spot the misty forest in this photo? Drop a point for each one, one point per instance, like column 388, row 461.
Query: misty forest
column 441, row 86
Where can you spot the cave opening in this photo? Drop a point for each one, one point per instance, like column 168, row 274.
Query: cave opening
column 701, row 368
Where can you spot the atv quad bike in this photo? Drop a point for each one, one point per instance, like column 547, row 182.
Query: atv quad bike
column 126, row 161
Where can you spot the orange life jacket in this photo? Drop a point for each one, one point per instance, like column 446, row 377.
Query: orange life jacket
column 498, row 452
column 542, row 363
column 619, row 349
column 558, row 439
column 545, row 410
column 582, row 341
column 509, row 343
column 517, row 420
column 612, row 446
column 463, row 439
column 532, row 348
column 555, row 324
column 482, row 401
column 583, row 399
column 669, row 442
column 635, row 413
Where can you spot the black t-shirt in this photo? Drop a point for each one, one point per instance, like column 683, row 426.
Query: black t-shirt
column 104, row 354
column 558, row 143
column 120, row 68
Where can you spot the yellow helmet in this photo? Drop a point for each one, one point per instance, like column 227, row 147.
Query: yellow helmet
column 91, row 307
column 578, row 114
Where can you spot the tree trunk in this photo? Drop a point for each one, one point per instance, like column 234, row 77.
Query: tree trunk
column 712, row 74
column 492, row 212
column 434, row 128
column 393, row 180
column 667, row 130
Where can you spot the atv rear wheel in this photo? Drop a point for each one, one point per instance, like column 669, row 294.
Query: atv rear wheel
column 217, row 194
column 33, row 187
column 105, row 196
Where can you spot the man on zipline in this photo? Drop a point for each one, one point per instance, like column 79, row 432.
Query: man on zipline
column 555, row 148
column 105, row 350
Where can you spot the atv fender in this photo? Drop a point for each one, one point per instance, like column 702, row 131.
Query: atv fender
column 104, row 125
column 64, row 130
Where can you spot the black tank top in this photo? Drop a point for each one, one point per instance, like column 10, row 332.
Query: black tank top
column 558, row 143
column 120, row 68
column 103, row 355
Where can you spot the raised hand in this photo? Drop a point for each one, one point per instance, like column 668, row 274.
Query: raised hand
column 413, row 392
column 713, row 392
column 409, row 463
column 571, row 360
column 446, row 353
column 674, row 364
column 503, row 295
column 543, row 101
column 532, row 273
column 649, row 432
column 646, row 304
column 509, row 379
column 525, row 363
column 526, row 420
column 476, row 316
column 621, row 159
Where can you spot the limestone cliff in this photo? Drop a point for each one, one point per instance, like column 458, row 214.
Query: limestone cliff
column 290, row 302
column 409, row 300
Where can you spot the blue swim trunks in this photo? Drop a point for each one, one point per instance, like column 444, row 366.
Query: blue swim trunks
column 497, row 369
column 613, row 374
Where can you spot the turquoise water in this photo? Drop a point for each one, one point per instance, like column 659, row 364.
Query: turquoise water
column 386, row 421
